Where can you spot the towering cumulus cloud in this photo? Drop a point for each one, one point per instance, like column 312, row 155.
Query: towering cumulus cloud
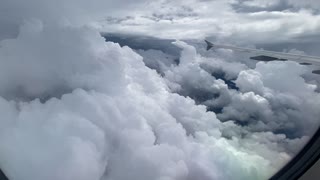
column 76, row 107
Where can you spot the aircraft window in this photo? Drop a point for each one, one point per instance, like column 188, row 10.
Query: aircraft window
column 146, row 90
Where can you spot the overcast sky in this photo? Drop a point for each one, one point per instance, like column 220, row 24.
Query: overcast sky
column 234, row 21
column 248, row 21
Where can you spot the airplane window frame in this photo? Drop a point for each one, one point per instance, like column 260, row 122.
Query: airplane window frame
column 302, row 162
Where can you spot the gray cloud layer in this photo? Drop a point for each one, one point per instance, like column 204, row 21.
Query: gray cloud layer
column 244, row 22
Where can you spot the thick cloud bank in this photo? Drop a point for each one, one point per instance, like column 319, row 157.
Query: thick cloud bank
column 76, row 107
column 80, row 108
column 272, row 96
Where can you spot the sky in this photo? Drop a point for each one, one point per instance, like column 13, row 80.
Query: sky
column 77, row 105
column 235, row 21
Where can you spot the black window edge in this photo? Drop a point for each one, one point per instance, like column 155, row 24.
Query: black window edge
column 3, row 176
column 301, row 163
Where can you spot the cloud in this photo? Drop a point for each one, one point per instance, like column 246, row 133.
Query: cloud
column 306, row 4
column 282, row 84
column 246, row 6
column 273, row 96
column 268, row 100
column 275, row 5
column 77, row 107
column 116, row 112
column 258, row 21
column 76, row 13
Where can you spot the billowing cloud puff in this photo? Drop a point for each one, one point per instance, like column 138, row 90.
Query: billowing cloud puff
column 273, row 99
column 290, row 97
column 76, row 107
